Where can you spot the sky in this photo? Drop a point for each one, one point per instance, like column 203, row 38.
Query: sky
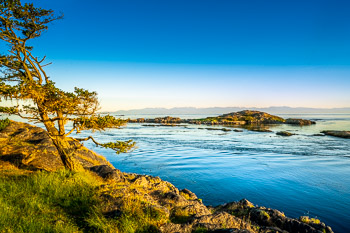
column 201, row 53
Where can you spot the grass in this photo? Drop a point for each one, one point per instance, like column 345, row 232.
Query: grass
column 65, row 201
column 307, row 220
column 181, row 216
column 47, row 202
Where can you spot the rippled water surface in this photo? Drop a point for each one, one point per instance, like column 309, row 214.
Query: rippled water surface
column 299, row 175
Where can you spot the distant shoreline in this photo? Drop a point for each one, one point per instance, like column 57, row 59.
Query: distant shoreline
column 223, row 110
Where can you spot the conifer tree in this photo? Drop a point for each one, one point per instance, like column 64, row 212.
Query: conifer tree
column 23, row 78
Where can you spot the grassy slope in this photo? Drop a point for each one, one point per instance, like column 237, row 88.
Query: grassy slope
column 60, row 202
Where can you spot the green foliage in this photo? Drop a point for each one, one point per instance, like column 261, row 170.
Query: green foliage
column 248, row 118
column 8, row 110
column 307, row 220
column 4, row 123
column 120, row 146
column 97, row 122
column 23, row 78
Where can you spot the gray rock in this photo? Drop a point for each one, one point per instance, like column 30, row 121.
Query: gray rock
column 337, row 133
column 285, row 133
column 294, row 121
column 108, row 172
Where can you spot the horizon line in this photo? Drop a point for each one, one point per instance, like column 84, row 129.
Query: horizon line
column 244, row 107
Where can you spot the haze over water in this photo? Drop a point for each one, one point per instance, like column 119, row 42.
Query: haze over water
column 299, row 175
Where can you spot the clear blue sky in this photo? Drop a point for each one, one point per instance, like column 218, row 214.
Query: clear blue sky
column 202, row 53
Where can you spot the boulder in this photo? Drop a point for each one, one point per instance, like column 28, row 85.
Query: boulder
column 284, row 133
column 337, row 133
column 30, row 147
column 108, row 172
column 294, row 121
column 270, row 220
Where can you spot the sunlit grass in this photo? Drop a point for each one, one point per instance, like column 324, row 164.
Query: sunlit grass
column 65, row 201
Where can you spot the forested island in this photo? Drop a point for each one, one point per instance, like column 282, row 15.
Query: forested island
column 246, row 117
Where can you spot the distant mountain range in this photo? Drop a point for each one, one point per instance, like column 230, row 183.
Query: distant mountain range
column 223, row 110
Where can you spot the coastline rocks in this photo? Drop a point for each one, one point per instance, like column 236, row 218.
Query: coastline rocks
column 108, row 172
column 337, row 133
column 220, row 129
column 242, row 118
column 28, row 146
column 270, row 220
column 285, row 133
column 238, row 130
column 260, row 130
column 158, row 120
column 294, row 121
column 173, row 210
column 183, row 212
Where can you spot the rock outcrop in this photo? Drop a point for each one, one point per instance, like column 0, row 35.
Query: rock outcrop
column 29, row 146
column 174, row 210
column 285, row 133
column 186, row 213
column 246, row 117
column 337, row 133
column 294, row 121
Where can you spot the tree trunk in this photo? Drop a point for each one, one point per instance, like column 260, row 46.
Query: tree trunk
column 66, row 151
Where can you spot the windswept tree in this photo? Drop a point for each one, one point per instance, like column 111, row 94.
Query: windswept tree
column 23, row 78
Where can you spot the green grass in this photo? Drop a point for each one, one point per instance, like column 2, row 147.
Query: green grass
column 4, row 123
column 47, row 202
column 65, row 201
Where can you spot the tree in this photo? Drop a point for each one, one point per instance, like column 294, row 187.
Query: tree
column 23, row 77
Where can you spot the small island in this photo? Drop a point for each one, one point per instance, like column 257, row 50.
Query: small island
column 241, row 118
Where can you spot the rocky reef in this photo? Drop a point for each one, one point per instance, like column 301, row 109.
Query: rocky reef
column 337, row 133
column 246, row 117
column 172, row 210
column 285, row 133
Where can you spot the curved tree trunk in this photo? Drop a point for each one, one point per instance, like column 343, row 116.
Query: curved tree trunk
column 66, row 152
column 64, row 149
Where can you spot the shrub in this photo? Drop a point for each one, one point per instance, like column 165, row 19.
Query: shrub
column 4, row 123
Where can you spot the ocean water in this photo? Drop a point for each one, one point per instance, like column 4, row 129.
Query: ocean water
column 298, row 175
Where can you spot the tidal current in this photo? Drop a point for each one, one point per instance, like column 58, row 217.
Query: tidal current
column 298, row 175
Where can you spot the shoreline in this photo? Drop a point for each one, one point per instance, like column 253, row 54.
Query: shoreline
column 182, row 207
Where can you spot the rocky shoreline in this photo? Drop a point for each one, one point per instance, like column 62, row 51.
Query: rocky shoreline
column 337, row 133
column 28, row 147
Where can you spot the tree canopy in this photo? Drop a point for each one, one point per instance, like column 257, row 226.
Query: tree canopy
column 23, row 77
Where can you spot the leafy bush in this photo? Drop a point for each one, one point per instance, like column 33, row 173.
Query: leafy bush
column 4, row 123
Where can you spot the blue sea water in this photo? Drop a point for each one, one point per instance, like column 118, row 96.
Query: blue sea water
column 299, row 175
